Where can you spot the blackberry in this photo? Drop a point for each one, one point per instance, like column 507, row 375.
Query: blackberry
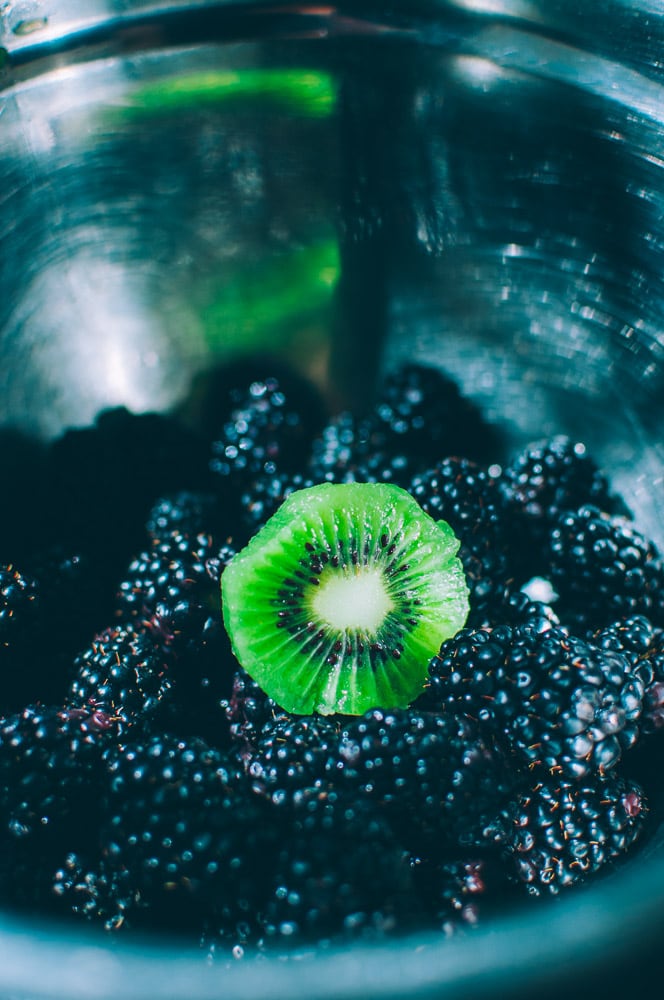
column 436, row 776
column 181, row 821
column 552, row 697
column 563, row 832
column 340, row 874
column 187, row 512
column 295, row 757
column 342, row 445
column 643, row 644
column 172, row 592
column 123, row 673
column 268, row 430
column 50, row 767
column 421, row 413
column 174, row 585
column 604, row 569
column 550, row 476
column 49, row 763
column 355, row 450
column 468, row 498
column 265, row 494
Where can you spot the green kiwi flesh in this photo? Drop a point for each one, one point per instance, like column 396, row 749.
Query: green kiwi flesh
column 339, row 602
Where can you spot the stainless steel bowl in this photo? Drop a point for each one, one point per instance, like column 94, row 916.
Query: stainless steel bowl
column 474, row 183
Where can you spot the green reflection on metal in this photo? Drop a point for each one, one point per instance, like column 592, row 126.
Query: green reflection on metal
column 263, row 306
column 309, row 93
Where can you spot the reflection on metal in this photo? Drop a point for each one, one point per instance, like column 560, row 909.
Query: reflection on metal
column 297, row 92
column 30, row 26
column 262, row 306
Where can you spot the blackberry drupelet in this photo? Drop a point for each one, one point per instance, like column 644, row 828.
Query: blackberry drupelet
column 603, row 568
column 553, row 698
column 563, row 832
column 468, row 498
column 124, row 673
column 546, row 478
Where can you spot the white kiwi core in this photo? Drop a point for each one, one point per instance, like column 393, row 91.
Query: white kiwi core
column 356, row 600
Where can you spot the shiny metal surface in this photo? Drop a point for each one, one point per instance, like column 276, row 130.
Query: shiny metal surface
column 479, row 183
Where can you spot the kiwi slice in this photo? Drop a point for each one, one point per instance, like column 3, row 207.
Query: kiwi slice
column 342, row 598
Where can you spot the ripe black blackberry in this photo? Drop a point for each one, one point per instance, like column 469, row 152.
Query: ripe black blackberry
column 340, row 874
column 124, row 673
column 187, row 512
column 467, row 497
column 181, row 821
column 546, row 478
column 354, row 449
column 604, row 569
column 553, row 698
column 341, row 450
column 49, row 762
column 174, row 586
column 643, row 644
column 437, row 776
column 421, row 413
column 270, row 429
column 172, row 592
column 50, row 768
column 563, row 832
column 295, row 758
column 265, row 494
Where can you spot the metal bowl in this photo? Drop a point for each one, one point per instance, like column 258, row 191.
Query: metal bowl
column 474, row 183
